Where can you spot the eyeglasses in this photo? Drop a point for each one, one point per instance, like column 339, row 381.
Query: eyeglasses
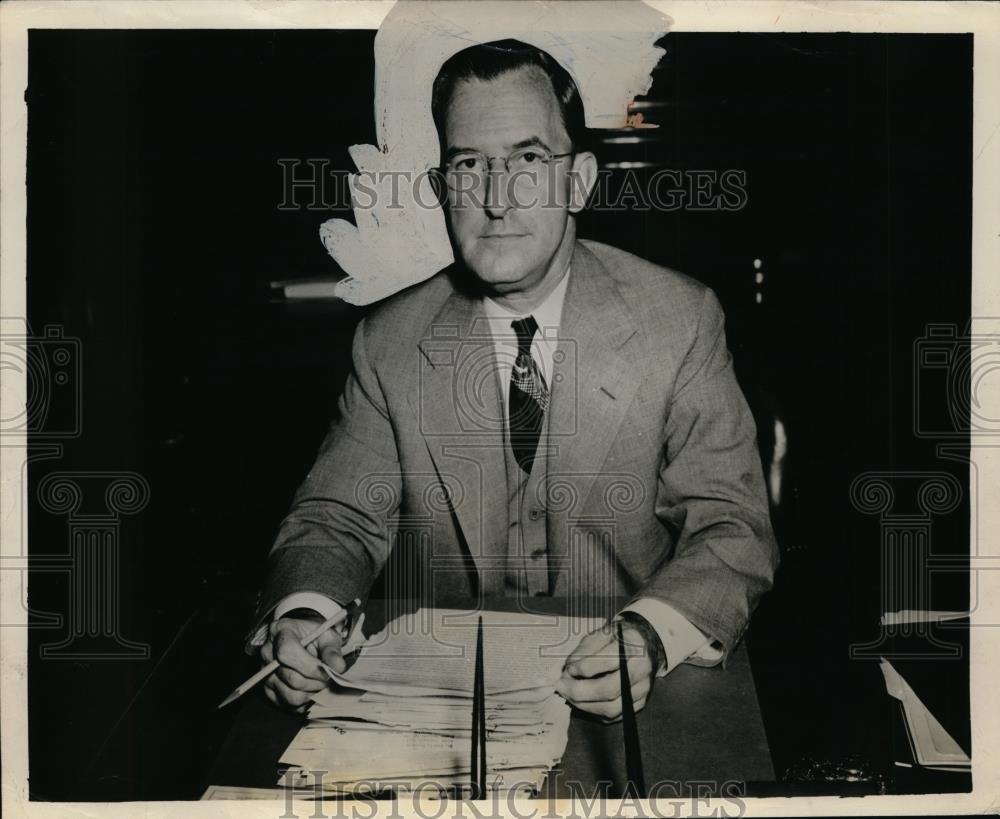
column 477, row 165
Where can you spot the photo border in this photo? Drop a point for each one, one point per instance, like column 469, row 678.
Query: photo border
column 980, row 19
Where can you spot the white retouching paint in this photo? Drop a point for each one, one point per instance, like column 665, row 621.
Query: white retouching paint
column 400, row 237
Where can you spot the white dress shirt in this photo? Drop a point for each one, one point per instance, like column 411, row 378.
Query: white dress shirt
column 681, row 640
column 543, row 346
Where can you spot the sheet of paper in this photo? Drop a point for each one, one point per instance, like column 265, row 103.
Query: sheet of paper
column 932, row 745
column 521, row 651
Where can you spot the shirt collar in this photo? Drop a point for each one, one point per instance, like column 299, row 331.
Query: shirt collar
column 548, row 314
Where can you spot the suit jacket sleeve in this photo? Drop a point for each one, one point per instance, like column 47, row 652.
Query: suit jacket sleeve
column 711, row 493
column 335, row 539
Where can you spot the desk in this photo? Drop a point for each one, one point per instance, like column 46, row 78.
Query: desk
column 700, row 730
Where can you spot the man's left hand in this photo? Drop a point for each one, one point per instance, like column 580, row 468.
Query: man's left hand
column 590, row 679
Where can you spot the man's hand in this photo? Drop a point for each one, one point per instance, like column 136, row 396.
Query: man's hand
column 300, row 674
column 590, row 679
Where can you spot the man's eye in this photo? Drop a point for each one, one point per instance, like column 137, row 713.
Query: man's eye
column 526, row 160
column 467, row 163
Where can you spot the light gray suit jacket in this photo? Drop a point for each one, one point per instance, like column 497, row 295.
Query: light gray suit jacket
column 653, row 480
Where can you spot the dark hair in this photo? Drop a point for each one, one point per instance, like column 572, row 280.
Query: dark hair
column 491, row 60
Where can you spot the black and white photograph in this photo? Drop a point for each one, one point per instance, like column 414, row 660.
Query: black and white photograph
column 533, row 407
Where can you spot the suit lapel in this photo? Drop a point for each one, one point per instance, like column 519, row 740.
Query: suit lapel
column 459, row 408
column 593, row 385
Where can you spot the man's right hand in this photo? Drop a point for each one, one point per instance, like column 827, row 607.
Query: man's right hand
column 300, row 674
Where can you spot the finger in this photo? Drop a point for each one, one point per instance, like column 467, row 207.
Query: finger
column 329, row 639
column 640, row 691
column 597, row 689
column 594, row 666
column 639, row 664
column 329, row 646
column 276, row 697
column 289, row 652
column 596, row 654
column 287, row 695
column 334, row 659
column 609, row 711
column 276, row 700
column 293, row 679
column 600, row 689
column 267, row 652
column 639, row 667
column 633, row 641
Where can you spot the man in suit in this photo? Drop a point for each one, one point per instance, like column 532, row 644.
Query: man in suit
column 560, row 416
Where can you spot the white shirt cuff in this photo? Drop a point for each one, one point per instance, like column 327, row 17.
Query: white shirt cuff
column 319, row 603
column 681, row 640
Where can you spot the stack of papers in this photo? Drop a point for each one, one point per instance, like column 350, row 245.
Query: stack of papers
column 401, row 716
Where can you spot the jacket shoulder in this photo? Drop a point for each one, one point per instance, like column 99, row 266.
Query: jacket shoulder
column 403, row 317
column 651, row 290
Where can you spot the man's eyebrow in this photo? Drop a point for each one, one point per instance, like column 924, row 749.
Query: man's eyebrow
column 530, row 142
column 458, row 150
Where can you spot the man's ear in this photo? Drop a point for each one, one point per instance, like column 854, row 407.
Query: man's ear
column 583, row 177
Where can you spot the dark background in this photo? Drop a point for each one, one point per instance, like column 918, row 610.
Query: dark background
column 154, row 228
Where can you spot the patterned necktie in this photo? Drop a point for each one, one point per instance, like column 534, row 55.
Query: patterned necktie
column 529, row 396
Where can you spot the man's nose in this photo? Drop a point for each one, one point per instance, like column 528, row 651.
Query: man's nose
column 497, row 196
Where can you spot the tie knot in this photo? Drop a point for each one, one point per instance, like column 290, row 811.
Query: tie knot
column 525, row 329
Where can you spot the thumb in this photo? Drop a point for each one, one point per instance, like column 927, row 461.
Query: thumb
column 329, row 644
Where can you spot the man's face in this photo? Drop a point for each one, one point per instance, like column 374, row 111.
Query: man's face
column 508, row 227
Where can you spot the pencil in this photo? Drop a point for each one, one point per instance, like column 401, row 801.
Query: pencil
column 478, row 762
column 272, row 666
column 482, row 710
column 633, row 753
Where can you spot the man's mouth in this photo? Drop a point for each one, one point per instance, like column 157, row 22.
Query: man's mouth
column 503, row 236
